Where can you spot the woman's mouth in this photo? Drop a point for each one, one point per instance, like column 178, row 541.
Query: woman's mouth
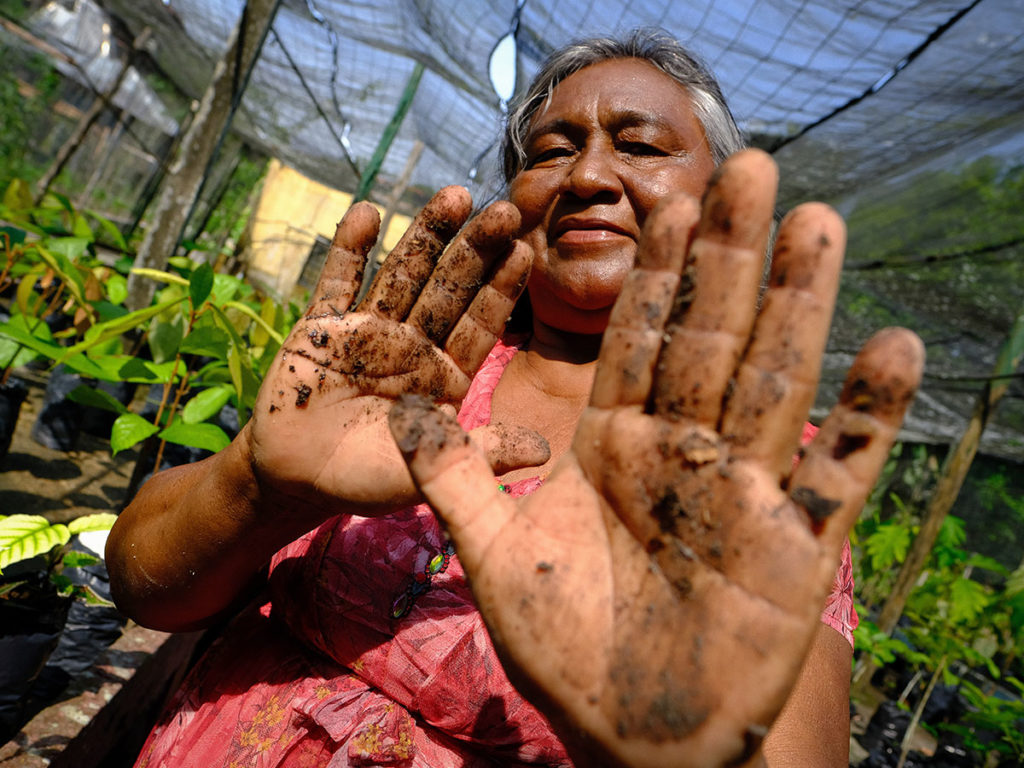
column 578, row 230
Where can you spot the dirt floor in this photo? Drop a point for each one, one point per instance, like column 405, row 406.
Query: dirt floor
column 60, row 486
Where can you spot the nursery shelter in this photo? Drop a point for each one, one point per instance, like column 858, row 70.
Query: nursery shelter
column 908, row 116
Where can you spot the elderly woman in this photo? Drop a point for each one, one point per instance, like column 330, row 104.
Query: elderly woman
column 646, row 557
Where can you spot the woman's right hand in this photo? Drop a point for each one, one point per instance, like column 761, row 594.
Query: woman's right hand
column 318, row 434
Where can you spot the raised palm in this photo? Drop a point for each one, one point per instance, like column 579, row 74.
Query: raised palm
column 318, row 432
column 658, row 594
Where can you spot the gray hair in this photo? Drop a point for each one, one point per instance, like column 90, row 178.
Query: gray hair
column 654, row 46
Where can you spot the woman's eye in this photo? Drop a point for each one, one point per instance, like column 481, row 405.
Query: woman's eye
column 547, row 155
column 639, row 148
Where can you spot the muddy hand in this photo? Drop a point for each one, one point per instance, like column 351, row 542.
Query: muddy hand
column 318, row 432
column 656, row 597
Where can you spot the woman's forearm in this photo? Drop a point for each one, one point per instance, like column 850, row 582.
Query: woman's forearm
column 194, row 538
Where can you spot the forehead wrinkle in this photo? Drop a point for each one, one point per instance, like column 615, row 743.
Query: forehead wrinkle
column 634, row 118
column 560, row 126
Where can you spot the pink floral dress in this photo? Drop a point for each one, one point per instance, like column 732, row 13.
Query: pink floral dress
column 371, row 653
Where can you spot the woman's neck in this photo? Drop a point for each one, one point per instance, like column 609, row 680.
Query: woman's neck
column 560, row 364
column 556, row 344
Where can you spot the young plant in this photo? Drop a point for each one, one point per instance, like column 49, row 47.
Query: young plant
column 41, row 548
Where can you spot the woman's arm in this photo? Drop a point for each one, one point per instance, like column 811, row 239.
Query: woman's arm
column 318, row 444
column 194, row 537
column 813, row 728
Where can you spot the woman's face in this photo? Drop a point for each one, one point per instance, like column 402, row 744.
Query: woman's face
column 616, row 138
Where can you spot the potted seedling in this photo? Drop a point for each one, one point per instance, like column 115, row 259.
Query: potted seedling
column 35, row 596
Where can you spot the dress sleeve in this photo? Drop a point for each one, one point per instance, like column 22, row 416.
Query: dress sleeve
column 839, row 612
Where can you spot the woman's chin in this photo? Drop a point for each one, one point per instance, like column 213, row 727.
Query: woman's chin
column 576, row 320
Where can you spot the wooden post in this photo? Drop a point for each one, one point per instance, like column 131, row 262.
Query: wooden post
column 74, row 141
column 185, row 178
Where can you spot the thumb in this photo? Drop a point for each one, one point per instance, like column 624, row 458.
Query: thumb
column 508, row 448
column 453, row 475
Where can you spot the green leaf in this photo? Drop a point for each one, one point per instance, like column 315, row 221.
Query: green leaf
column 226, row 287
column 112, row 346
column 246, row 384
column 200, row 284
column 124, row 264
column 129, row 429
column 164, row 338
column 70, row 248
column 141, row 371
column 83, row 365
column 117, row 288
column 108, row 311
column 159, row 274
column 22, row 537
column 1015, row 582
column 213, row 373
column 261, row 324
column 18, row 195
column 17, row 236
column 101, row 521
column 887, row 546
column 123, row 368
column 968, row 599
column 23, row 339
column 65, row 587
column 208, row 341
column 89, row 597
column 239, row 364
column 953, row 532
column 58, row 261
column 988, row 563
column 97, row 398
column 34, row 337
column 74, row 559
column 81, row 228
column 103, row 331
column 205, row 404
column 209, row 437
column 62, row 201
column 26, row 298
column 116, row 238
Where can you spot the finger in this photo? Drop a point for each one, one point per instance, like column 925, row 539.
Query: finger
column 636, row 327
column 842, row 463
column 508, row 448
column 453, row 475
column 346, row 258
column 477, row 331
column 462, row 269
column 778, row 377
column 707, row 334
column 407, row 267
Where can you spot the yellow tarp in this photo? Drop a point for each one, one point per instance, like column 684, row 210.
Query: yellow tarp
column 291, row 212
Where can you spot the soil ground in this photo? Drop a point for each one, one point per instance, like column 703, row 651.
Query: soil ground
column 36, row 480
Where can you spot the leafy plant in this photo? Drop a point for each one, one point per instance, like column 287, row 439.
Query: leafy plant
column 999, row 715
column 206, row 340
column 25, row 538
column 48, row 252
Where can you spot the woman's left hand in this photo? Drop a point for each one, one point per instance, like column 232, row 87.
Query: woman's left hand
column 656, row 597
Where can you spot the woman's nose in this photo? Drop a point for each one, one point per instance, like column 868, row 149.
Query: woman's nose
column 592, row 173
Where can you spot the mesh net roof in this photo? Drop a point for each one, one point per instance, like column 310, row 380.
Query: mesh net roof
column 907, row 115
